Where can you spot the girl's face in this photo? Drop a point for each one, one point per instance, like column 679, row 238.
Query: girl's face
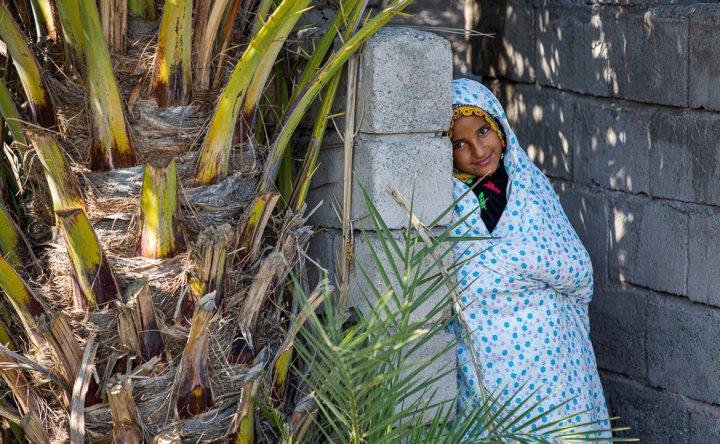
column 476, row 147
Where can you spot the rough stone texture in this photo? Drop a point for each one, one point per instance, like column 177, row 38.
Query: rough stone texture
column 643, row 190
column 611, row 147
column 403, row 89
column 705, row 46
column 447, row 14
column 438, row 349
column 422, row 162
column 703, row 139
column 683, row 348
column 653, row 416
column 589, row 214
column 685, row 154
column 639, row 54
column 543, row 121
column 704, row 423
column 410, row 97
column 671, row 158
column 648, row 53
column 649, row 245
column 618, row 327
column 704, row 256
column 326, row 189
column 322, row 250
column 571, row 49
column 640, row 3
column 507, row 53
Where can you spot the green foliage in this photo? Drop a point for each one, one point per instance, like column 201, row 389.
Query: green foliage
column 365, row 380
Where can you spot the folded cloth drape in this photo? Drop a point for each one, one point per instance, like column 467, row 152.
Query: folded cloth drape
column 525, row 295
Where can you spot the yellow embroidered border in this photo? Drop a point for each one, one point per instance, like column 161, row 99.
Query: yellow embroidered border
column 463, row 177
column 468, row 110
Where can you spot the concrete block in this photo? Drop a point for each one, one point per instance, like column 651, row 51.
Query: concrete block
column 611, row 145
column 671, row 158
column 704, row 50
column 635, row 53
column 419, row 163
column 638, row 3
column 588, row 213
column 439, row 348
column 683, row 348
column 704, row 423
column 648, row 53
column 428, row 301
column 441, row 14
column 507, row 54
column 542, row 118
column 653, row 416
column 685, row 154
column 571, row 49
column 322, row 250
column 326, row 189
column 405, row 83
column 703, row 141
column 704, row 257
column 618, row 327
column 649, row 245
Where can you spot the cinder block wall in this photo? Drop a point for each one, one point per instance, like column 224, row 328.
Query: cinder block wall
column 404, row 105
column 619, row 103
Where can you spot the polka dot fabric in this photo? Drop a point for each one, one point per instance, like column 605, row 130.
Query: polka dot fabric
column 525, row 296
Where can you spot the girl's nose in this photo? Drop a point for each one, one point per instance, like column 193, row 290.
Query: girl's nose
column 478, row 148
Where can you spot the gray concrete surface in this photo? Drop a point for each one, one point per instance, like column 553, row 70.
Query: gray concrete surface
column 404, row 105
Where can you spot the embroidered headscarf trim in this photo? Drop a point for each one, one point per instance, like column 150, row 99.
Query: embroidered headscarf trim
column 469, row 110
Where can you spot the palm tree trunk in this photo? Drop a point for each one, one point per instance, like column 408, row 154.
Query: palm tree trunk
column 172, row 76
column 93, row 280
column 27, row 67
column 113, row 16
column 110, row 145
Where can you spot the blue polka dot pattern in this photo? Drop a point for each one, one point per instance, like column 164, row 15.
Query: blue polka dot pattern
column 527, row 301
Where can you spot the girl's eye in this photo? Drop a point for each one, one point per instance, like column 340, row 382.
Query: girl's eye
column 457, row 145
column 482, row 131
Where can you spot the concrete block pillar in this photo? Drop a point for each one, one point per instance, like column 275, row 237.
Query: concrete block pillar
column 404, row 106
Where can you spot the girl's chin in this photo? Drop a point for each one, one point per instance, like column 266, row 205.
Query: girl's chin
column 484, row 172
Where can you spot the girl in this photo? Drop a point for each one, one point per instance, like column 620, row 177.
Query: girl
column 525, row 291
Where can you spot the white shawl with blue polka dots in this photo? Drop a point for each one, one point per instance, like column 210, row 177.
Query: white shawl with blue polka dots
column 525, row 294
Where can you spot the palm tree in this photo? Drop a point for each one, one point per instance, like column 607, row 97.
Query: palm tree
column 156, row 301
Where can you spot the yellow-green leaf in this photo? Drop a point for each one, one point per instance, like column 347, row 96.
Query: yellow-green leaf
column 258, row 58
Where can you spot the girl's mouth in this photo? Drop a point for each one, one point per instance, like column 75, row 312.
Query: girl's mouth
column 484, row 161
